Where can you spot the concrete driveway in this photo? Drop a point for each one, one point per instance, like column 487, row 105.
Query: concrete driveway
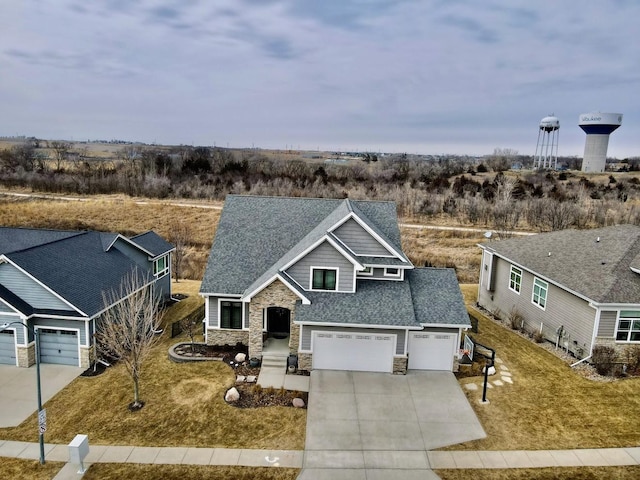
column 364, row 425
column 18, row 391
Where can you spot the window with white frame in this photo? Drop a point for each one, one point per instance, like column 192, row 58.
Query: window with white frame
column 628, row 328
column 231, row 315
column 539, row 297
column 392, row 272
column 324, row 278
column 161, row 266
column 368, row 271
column 515, row 279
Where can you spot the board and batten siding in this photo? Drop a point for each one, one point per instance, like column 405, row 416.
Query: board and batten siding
column 562, row 308
column 359, row 240
column 307, row 333
column 323, row 256
column 607, row 326
column 213, row 306
column 29, row 290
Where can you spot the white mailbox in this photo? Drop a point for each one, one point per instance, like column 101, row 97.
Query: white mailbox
column 78, row 450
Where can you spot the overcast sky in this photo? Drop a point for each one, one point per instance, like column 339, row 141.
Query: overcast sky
column 401, row 76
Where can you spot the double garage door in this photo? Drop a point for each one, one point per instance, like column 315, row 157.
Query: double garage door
column 58, row 346
column 365, row 352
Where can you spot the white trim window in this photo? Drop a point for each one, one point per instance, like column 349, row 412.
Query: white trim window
column 367, row 272
column 515, row 279
column 539, row 296
column 628, row 326
column 392, row 272
column 161, row 266
column 324, row 279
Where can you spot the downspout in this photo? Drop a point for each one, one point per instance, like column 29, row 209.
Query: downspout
column 580, row 361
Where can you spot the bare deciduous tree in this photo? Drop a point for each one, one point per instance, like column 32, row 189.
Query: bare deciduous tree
column 180, row 235
column 60, row 152
column 128, row 330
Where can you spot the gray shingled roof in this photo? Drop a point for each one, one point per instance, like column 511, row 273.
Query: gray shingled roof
column 437, row 298
column 153, row 243
column 256, row 235
column 599, row 270
column 16, row 239
column 375, row 302
column 74, row 265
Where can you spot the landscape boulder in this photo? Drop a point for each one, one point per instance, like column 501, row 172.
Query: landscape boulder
column 298, row 402
column 492, row 370
column 240, row 357
column 232, row 395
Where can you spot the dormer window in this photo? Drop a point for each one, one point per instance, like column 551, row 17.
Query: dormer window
column 161, row 266
column 324, row 278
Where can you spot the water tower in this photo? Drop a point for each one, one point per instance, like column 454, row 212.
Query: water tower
column 598, row 126
column 547, row 148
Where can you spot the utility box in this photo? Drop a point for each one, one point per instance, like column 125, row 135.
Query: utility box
column 78, row 450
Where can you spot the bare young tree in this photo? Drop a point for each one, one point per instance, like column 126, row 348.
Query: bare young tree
column 180, row 235
column 60, row 152
column 128, row 330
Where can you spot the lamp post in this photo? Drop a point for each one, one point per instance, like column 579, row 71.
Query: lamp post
column 40, row 411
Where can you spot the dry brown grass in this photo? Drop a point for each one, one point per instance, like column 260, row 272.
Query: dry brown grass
column 20, row 469
column 555, row 473
column 118, row 471
column 184, row 405
column 549, row 406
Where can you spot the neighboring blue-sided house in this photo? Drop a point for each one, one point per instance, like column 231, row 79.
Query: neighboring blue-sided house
column 331, row 277
column 57, row 281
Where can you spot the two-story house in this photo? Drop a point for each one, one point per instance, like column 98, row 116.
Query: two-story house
column 56, row 282
column 329, row 275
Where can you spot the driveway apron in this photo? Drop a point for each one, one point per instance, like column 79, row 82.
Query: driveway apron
column 377, row 425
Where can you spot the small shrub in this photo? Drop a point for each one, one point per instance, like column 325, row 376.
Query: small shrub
column 604, row 358
column 538, row 336
column 516, row 319
column 632, row 358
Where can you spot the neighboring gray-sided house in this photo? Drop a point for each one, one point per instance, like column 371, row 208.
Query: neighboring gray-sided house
column 331, row 276
column 56, row 281
column 585, row 281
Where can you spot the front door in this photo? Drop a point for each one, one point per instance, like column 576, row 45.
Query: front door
column 278, row 322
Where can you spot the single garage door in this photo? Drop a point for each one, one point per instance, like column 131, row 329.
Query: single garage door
column 431, row 350
column 58, row 346
column 363, row 352
column 7, row 348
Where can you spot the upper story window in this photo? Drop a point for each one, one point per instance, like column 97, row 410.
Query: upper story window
column 324, row 278
column 161, row 266
column 628, row 329
column 231, row 315
column 539, row 297
column 392, row 272
column 515, row 279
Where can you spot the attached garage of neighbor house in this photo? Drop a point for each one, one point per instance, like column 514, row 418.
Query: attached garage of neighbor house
column 7, row 348
column 432, row 350
column 365, row 352
column 59, row 346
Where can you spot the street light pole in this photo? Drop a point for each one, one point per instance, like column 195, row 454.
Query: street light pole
column 37, row 339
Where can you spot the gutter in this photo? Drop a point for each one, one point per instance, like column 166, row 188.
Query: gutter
column 580, row 361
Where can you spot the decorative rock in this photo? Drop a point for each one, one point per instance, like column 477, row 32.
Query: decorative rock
column 492, row 370
column 503, row 367
column 507, row 379
column 498, row 383
column 232, row 395
column 505, row 374
column 240, row 378
column 251, row 379
column 471, row 386
column 240, row 357
column 298, row 402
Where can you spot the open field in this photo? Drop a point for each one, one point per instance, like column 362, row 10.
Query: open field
column 548, row 406
column 129, row 216
column 184, row 404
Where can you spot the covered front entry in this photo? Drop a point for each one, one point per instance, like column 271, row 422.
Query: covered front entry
column 431, row 350
column 364, row 352
column 59, row 346
column 278, row 322
column 7, row 347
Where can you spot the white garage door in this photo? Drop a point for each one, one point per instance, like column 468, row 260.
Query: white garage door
column 431, row 350
column 7, row 348
column 58, row 346
column 363, row 352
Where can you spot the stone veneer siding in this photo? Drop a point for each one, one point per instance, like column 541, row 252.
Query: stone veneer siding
column 277, row 294
column 221, row 337
column 400, row 365
column 86, row 356
column 26, row 355
column 305, row 361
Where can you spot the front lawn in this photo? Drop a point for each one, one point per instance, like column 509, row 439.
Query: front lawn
column 21, row 469
column 184, row 405
column 118, row 471
column 554, row 473
column 548, row 406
